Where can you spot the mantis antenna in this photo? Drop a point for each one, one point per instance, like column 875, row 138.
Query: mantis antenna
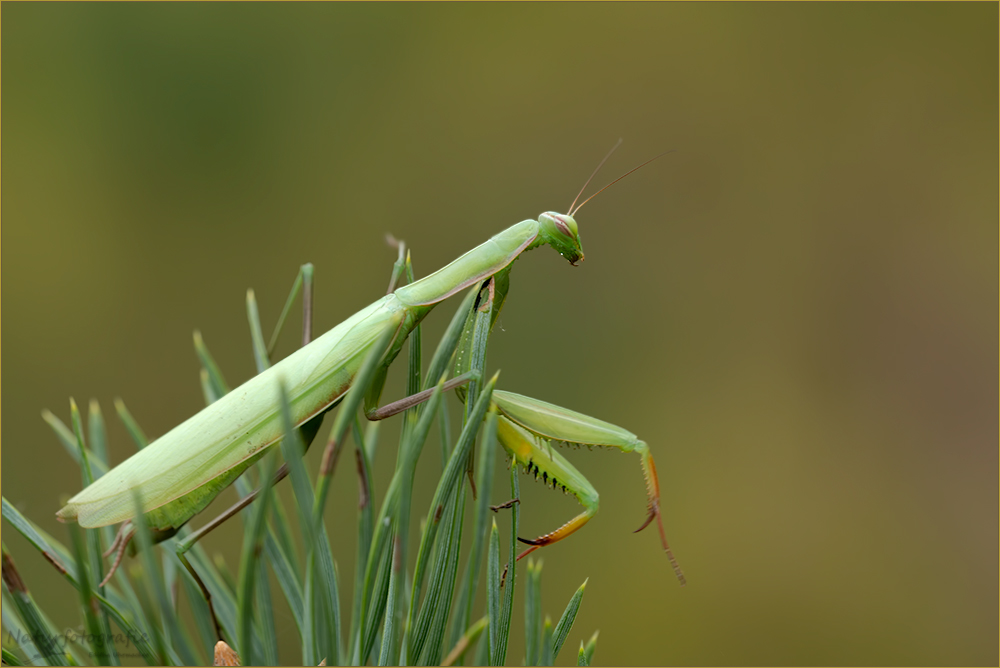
column 599, row 165
column 573, row 211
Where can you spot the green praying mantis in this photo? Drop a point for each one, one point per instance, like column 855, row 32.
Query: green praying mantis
column 180, row 473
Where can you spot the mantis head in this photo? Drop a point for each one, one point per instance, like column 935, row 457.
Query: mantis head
column 559, row 231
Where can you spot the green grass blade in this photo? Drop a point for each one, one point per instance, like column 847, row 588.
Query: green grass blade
column 587, row 653
column 345, row 416
column 68, row 440
column 480, row 528
column 199, row 611
column 216, row 381
column 207, row 391
column 566, row 621
column 503, row 630
column 131, row 426
column 465, row 640
column 546, row 650
column 365, row 530
column 389, row 630
column 420, row 629
column 96, row 636
column 320, row 599
column 218, row 583
column 415, row 361
column 330, row 645
column 125, row 623
column 263, row 619
column 260, row 356
column 375, row 607
column 92, row 538
column 285, row 567
column 97, row 433
column 60, row 558
column 433, row 646
column 482, row 656
column 11, row 659
column 493, row 594
column 280, row 530
column 253, row 541
column 304, row 276
column 155, row 582
column 392, row 523
column 37, row 626
column 24, row 526
column 533, row 614
column 17, row 634
column 446, row 487
column 265, row 627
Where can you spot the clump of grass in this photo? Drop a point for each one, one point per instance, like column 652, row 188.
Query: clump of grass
column 397, row 614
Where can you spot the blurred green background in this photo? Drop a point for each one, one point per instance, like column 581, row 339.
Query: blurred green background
column 797, row 309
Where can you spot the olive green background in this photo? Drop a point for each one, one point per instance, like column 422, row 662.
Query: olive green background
column 796, row 309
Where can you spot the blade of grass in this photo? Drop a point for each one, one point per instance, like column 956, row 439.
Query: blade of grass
column 155, row 582
column 265, row 627
column 199, row 610
column 11, row 659
column 260, row 356
column 586, row 657
column 253, row 542
column 97, row 433
column 320, row 598
column 566, row 621
column 57, row 555
column 277, row 543
column 68, row 440
column 131, row 426
column 493, row 595
column 217, row 382
column 365, row 530
column 389, row 629
column 433, row 646
column 96, row 636
column 372, row 615
column 218, row 581
column 393, row 519
column 41, row 542
column 533, row 614
column 92, row 538
column 345, row 417
column 18, row 634
column 39, row 629
column 304, row 276
column 470, row 636
column 446, row 487
column 546, row 649
column 484, row 484
column 503, row 630
column 420, row 629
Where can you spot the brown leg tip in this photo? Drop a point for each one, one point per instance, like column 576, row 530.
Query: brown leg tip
column 645, row 524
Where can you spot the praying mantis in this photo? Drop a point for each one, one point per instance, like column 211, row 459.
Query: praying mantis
column 180, row 473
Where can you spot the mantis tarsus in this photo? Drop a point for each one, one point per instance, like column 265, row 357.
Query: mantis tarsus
column 207, row 452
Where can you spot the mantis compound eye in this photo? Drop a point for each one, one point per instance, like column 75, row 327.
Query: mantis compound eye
column 561, row 225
